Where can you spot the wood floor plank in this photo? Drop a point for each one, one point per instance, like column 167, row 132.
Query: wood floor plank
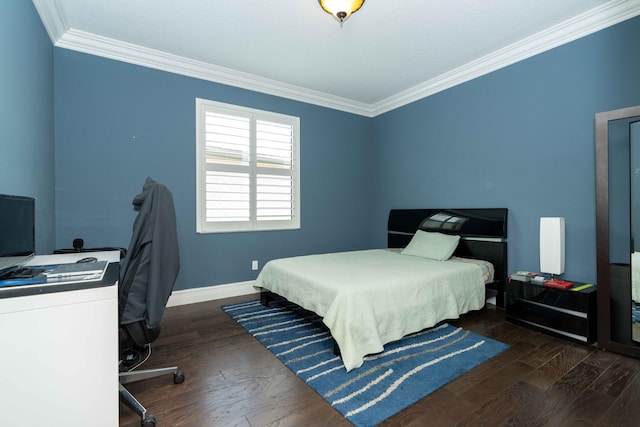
column 433, row 410
column 233, row 381
column 619, row 374
column 574, row 382
column 496, row 383
column 551, row 371
column 542, row 354
column 625, row 411
column 503, row 406
column 586, row 410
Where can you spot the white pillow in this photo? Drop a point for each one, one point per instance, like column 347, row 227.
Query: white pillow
column 435, row 246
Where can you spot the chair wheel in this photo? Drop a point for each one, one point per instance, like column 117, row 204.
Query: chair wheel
column 178, row 377
column 149, row 421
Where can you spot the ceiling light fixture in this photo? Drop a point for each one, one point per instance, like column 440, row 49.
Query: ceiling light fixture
column 341, row 9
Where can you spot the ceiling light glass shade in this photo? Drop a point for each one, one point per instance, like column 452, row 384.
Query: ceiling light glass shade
column 341, row 9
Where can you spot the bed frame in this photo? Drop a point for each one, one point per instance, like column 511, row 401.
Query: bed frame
column 483, row 235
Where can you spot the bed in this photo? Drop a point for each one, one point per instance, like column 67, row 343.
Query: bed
column 437, row 266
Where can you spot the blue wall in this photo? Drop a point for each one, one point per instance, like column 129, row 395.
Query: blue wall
column 521, row 137
column 101, row 105
column 26, row 114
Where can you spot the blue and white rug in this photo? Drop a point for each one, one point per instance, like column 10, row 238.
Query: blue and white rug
column 387, row 382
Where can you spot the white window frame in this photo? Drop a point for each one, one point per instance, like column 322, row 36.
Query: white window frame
column 202, row 225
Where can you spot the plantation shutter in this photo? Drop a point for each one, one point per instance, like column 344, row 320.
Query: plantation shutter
column 274, row 186
column 250, row 170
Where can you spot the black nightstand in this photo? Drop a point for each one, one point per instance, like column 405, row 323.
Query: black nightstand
column 564, row 313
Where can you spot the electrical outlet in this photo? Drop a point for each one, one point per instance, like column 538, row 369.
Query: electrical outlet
column 254, row 264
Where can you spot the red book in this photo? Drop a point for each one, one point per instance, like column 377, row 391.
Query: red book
column 560, row 284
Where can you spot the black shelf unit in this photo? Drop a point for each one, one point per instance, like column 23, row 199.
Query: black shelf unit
column 563, row 313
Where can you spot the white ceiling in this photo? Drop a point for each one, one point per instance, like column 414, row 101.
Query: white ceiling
column 386, row 55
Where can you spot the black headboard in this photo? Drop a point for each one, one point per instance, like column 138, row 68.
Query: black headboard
column 483, row 233
column 486, row 223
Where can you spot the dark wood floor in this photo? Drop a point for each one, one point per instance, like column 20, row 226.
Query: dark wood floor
column 232, row 380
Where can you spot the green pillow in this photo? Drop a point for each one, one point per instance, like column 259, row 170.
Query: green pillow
column 435, row 246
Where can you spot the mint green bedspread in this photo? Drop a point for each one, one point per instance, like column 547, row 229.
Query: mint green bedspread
column 373, row 297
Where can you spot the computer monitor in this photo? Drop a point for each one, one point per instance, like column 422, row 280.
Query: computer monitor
column 17, row 231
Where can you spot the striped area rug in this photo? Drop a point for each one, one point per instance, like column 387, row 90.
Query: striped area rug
column 387, row 382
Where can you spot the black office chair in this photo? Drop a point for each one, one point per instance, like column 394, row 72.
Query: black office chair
column 147, row 275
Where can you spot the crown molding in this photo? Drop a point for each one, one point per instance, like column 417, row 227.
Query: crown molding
column 52, row 15
column 126, row 52
column 582, row 25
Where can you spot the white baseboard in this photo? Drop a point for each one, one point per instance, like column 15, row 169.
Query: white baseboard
column 210, row 293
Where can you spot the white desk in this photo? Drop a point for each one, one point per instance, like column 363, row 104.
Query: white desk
column 59, row 353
